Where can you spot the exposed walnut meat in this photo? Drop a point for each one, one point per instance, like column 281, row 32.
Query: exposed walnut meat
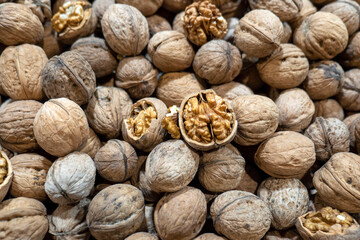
column 203, row 20
column 140, row 118
column 70, row 14
column 3, row 168
column 170, row 120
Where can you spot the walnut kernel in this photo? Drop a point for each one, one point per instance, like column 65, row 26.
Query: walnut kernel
column 170, row 122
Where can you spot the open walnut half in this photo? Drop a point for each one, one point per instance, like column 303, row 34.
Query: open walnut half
column 6, row 174
column 206, row 120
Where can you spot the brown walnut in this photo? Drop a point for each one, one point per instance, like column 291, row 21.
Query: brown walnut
column 229, row 91
column 350, row 57
column 349, row 95
column 353, row 124
column 142, row 236
column 50, row 43
column 170, row 122
column 290, row 234
column 147, row 8
column 209, row 236
column 99, row 8
column 41, row 8
column 287, row 34
column 176, row 5
column 157, row 24
column 92, row 144
column 178, row 22
column 307, row 9
column 6, row 174
column 328, row 108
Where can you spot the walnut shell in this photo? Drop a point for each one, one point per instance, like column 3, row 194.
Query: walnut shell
column 231, row 90
column 250, row 181
column 176, row 5
column 170, row 51
column 92, row 144
column 142, row 236
column 230, row 219
column 353, row 124
column 349, row 95
column 171, row 166
column 287, row 34
column 125, row 29
column 20, row 71
column 50, row 43
column 251, row 78
column 19, row 25
column 5, row 185
column 115, row 212
column 350, row 57
column 180, row 215
column 60, row 127
column 286, row 155
column 209, row 236
column 328, row 108
column 157, row 24
column 307, row 10
column 23, row 218
column 178, row 22
column 290, row 234
column 147, row 8
column 99, row 7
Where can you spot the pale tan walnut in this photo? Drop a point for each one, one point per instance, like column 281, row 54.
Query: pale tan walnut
column 290, row 234
column 349, row 95
column 287, row 34
column 116, row 161
column 97, row 54
column 330, row 136
column 307, row 10
column 70, row 178
column 116, row 212
column 107, row 109
column 6, row 174
column 60, row 127
column 296, row 110
column 125, row 29
column 221, row 170
column 232, row 23
column 230, row 219
column 19, row 25
column 286, row 154
column 41, row 8
column 337, row 182
column 148, row 224
column 217, row 62
column 137, row 76
column 351, row 56
column 287, row 199
column 30, row 170
column 324, row 80
column 170, row 51
column 142, row 236
column 257, row 117
column 178, row 22
column 23, row 218
column 173, row 87
column 157, row 24
column 209, row 236
column 231, row 90
column 69, row 222
column 180, row 215
column 259, row 33
column 251, row 78
column 328, row 108
column 171, row 166
column 50, row 43
column 92, row 144
column 176, row 5
column 99, row 8
column 353, row 124
column 287, row 67
column 250, row 181
column 147, row 8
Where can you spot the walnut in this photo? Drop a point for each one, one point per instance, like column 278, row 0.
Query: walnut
column 107, row 109
column 41, row 8
column 229, row 91
column 170, row 51
column 6, row 175
column 287, row 67
column 251, row 78
column 115, row 212
column 148, row 224
column 171, row 166
column 96, row 52
column 157, row 24
column 209, row 236
column 259, row 33
column 287, row 34
column 328, row 108
column 176, row 5
column 147, row 8
column 203, row 21
column 257, row 117
column 217, row 62
column 178, row 22
column 137, row 76
column 19, row 25
column 50, row 43
column 125, row 29
column 92, row 144
column 250, row 180
column 142, row 128
column 232, row 23
column 290, row 234
column 23, row 218
column 307, row 10
column 142, row 236
column 349, row 96
column 99, row 7
column 20, row 71
column 30, row 170
column 353, row 124
column 323, row 2
column 324, row 80
column 6, row 151
column 230, row 219
column 351, row 55
column 170, row 122
column 276, row 155
column 180, row 215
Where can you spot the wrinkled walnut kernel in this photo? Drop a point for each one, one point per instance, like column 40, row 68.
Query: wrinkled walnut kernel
column 70, row 14
column 3, row 168
column 170, row 122
column 140, row 119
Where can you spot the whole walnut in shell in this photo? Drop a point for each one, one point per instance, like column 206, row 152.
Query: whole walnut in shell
column 92, row 144
column 351, row 55
column 50, row 43
column 142, row 236
column 147, row 8
column 115, row 212
column 20, row 71
column 157, row 24
column 287, row 34
column 6, row 174
column 307, row 9
column 290, row 234
column 328, row 108
column 180, row 215
column 353, row 124
column 176, row 5
column 60, row 127
column 99, row 7
column 209, row 236
column 349, row 95
column 231, row 90
column 178, row 22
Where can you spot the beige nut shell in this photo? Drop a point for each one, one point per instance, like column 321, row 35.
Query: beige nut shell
column 4, row 187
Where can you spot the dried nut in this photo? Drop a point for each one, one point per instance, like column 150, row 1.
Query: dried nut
column 59, row 3
column 17, row 125
column 287, row 199
column 259, row 33
column 349, row 95
column 229, row 91
column 287, row 67
column 41, row 8
column 353, row 124
column 232, row 23
column 116, row 161
column 207, row 121
column 296, row 110
column 257, row 117
column 137, row 76
column 285, row 10
column 30, row 170
column 276, row 155
column 230, row 219
column 251, row 78
column 70, row 178
column 92, row 144
column 6, row 151
column 350, row 57
column 290, row 234
column 171, row 166
column 250, row 180
column 6, row 175
column 60, row 127
column 148, row 224
column 69, row 222
column 287, row 34
column 68, row 75
column 307, row 10
column 203, row 21
column 178, row 22
column 170, row 122
column 23, row 218
column 174, row 86
column 209, row 236
column 50, row 43
column 142, row 128
column 97, row 54
column 217, row 62
column 125, row 29
column 321, row 36
column 330, row 136
column 221, row 170
column 142, row 236
column 157, row 24
column 176, row 5
column 328, row 108
column 20, row 71
column 147, row 8
column 337, row 182
column 99, row 7
column 322, row 2
column 170, row 51
column 115, row 212
column 19, row 25
column 180, row 215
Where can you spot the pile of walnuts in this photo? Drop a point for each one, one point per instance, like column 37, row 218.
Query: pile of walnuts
column 180, row 119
